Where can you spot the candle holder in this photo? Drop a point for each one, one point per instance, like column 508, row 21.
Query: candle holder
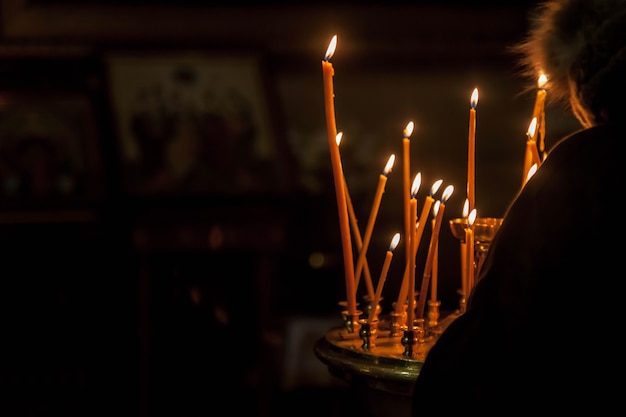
column 485, row 229
column 351, row 321
column 397, row 320
column 368, row 332
column 369, row 306
column 433, row 315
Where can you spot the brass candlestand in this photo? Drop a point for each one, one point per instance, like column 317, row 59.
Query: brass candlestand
column 376, row 365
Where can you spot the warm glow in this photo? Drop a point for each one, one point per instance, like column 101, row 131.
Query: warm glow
column 389, row 165
column 471, row 218
column 465, row 208
column 435, row 187
column 447, row 193
column 417, row 182
column 532, row 128
column 408, row 130
column 331, row 48
column 474, row 98
column 394, row 242
column 542, row 80
column 531, row 171
column 338, row 138
column 436, row 208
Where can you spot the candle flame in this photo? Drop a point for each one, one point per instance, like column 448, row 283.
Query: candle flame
column 435, row 187
column 532, row 128
column 417, row 182
column 331, row 48
column 408, row 130
column 447, row 193
column 531, row 171
column 471, row 218
column 474, row 98
column 542, row 80
column 338, row 138
column 465, row 208
column 389, row 165
column 394, row 242
column 436, row 208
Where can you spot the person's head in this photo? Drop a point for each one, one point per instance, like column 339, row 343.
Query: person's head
column 581, row 47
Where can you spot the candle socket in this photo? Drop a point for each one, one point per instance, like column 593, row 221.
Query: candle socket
column 369, row 305
column 413, row 338
column 398, row 319
column 351, row 321
column 433, row 313
column 368, row 332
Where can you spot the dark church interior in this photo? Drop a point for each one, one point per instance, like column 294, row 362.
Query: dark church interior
column 168, row 222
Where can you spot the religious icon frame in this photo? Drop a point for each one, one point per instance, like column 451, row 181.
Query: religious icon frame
column 194, row 122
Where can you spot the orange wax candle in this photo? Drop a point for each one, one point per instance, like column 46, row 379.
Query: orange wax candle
column 439, row 208
column 383, row 276
column 433, row 283
column 471, row 149
column 417, row 238
column 411, row 263
column 532, row 154
column 382, row 180
column 464, row 254
column 329, row 96
column 406, row 194
column 538, row 110
column 469, row 239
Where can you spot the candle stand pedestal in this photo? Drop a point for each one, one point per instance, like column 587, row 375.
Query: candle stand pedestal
column 381, row 376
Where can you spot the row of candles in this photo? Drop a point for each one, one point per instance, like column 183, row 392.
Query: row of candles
column 414, row 225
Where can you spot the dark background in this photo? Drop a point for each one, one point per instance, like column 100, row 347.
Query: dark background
column 114, row 303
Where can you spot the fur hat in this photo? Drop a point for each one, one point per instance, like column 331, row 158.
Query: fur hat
column 581, row 47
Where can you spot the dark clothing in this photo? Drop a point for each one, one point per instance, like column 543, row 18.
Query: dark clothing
column 543, row 326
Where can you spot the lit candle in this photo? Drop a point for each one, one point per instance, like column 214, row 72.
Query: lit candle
column 531, row 172
column 418, row 237
column 441, row 205
column 539, row 109
column 382, row 180
column 413, row 220
column 406, row 168
column 433, row 284
column 464, row 254
column 383, row 276
column 471, row 149
column 329, row 96
column 532, row 154
column 469, row 238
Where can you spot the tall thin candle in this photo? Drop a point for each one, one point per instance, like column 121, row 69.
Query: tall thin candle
column 435, row 267
column 413, row 219
column 406, row 168
column 469, row 237
column 418, row 237
column 329, row 97
column 531, row 155
column 429, row 257
column 382, row 180
column 383, row 276
column 471, row 149
column 539, row 109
